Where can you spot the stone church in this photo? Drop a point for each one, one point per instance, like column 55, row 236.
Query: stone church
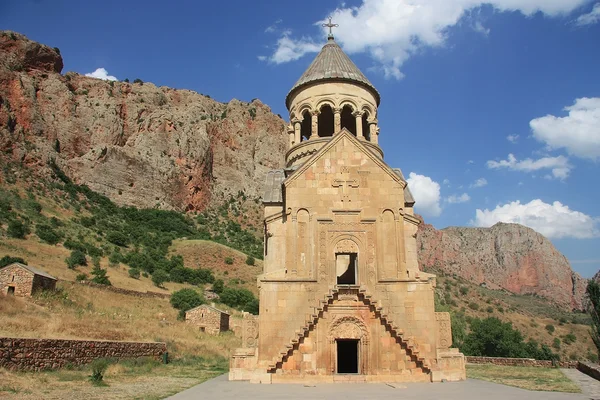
column 341, row 295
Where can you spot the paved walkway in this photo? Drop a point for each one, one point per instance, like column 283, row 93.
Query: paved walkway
column 589, row 386
column 220, row 388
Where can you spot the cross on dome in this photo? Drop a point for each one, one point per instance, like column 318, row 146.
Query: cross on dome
column 330, row 25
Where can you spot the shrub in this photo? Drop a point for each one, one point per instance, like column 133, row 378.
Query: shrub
column 76, row 258
column 81, row 277
column 228, row 260
column 464, row 290
column 7, row 260
column 16, row 229
column 550, row 328
column 473, row 306
column 556, row 343
column 490, row 309
column 134, row 273
column 250, row 260
column 100, row 276
column 569, row 338
column 159, row 277
column 117, row 238
column 218, row 286
column 138, row 80
column 239, row 298
column 562, row 321
column 99, row 367
column 186, row 299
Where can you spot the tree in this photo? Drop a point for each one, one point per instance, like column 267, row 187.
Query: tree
column 100, row 276
column 47, row 234
column 159, row 277
column 218, row 286
column 7, row 260
column 16, row 229
column 491, row 337
column 186, row 299
column 250, row 260
column 593, row 293
column 239, row 298
column 76, row 258
column 134, row 273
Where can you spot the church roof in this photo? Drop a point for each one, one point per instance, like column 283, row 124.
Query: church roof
column 333, row 64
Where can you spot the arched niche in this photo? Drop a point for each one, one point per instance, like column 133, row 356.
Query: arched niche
column 365, row 126
column 305, row 126
column 348, row 120
column 326, row 123
column 303, row 260
column 389, row 245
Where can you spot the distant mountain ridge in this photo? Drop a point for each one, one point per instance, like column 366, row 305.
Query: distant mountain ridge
column 505, row 256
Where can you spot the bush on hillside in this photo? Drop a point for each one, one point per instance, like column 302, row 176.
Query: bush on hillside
column 250, row 260
column 76, row 258
column 17, row 229
column 117, row 238
column 218, row 286
column 239, row 298
column 228, row 260
column 100, row 276
column 47, row 234
column 186, row 299
column 159, row 277
column 134, row 273
column 7, row 260
column 491, row 337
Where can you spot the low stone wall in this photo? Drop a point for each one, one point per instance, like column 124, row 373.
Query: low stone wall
column 126, row 291
column 41, row 354
column 592, row 370
column 521, row 362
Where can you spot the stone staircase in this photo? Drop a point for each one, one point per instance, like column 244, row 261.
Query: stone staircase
column 409, row 344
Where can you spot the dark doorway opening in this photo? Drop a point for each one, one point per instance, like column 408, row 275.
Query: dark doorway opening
column 348, row 120
column 305, row 126
column 346, row 268
column 347, row 356
column 11, row 291
column 326, row 121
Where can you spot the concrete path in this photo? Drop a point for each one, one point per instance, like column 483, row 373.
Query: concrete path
column 589, row 386
column 220, row 388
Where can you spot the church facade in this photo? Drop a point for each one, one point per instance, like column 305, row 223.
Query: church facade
column 341, row 295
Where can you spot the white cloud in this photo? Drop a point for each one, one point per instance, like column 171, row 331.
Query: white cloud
column 559, row 166
column 427, row 194
column 513, row 138
column 551, row 220
column 101, row 73
column 446, row 182
column 481, row 182
column 391, row 31
column 578, row 133
column 591, row 18
column 455, row 199
column 289, row 49
column 273, row 28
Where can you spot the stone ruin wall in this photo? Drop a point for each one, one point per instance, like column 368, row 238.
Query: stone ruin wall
column 521, row 362
column 43, row 354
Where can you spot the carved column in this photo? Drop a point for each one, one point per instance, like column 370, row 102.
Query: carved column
column 337, row 120
column 314, row 132
column 290, row 131
column 374, row 131
column 297, row 127
column 359, row 132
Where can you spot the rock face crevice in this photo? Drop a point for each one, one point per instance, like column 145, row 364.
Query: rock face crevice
column 505, row 256
column 138, row 144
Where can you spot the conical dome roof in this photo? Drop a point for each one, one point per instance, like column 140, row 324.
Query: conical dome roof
column 332, row 64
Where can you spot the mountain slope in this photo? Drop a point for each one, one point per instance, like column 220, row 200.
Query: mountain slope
column 506, row 256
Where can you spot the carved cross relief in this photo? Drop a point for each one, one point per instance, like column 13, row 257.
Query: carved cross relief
column 346, row 185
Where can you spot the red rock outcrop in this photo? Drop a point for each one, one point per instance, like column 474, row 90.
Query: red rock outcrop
column 138, row 144
column 505, row 256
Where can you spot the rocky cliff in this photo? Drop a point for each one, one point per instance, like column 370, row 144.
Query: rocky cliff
column 505, row 256
column 138, row 144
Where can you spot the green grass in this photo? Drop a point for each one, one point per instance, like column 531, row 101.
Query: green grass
column 530, row 378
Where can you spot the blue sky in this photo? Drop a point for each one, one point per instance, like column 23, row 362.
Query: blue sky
column 492, row 108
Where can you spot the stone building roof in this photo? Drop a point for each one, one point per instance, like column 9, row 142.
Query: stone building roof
column 273, row 192
column 31, row 269
column 207, row 306
column 333, row 64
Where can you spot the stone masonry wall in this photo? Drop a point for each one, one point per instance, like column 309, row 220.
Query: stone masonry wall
column 208, row 319
column 41, row 354
column 127, row 291
column 521, row 362
column 17, row 277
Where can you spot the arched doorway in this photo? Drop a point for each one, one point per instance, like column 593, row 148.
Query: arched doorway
column 365, row 126
column 305, row 126
column 349, row 338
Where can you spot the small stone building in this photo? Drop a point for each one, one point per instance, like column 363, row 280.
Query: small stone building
column 208, row 319
column 23, row 280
